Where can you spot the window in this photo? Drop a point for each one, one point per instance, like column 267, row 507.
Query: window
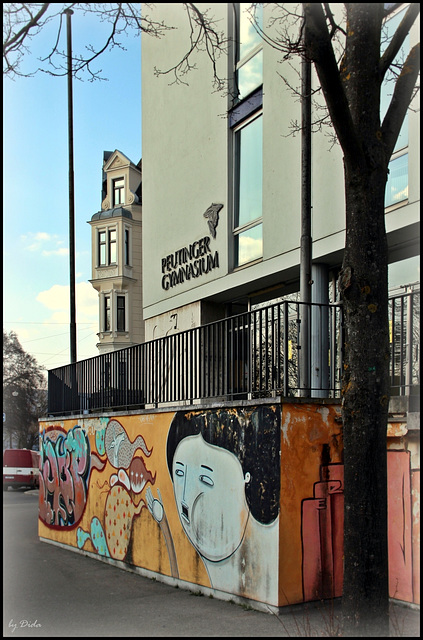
column 127, row 262
column 107, row 314
column 248, row 228
column 246, row 124
column 121, row 313
column 102, row 256
column 397, row 183
column 249, row 63
column 112, row 246
column 107, row 253
column 118, row 191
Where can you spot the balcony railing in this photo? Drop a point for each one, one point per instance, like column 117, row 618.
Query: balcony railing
column 289, row 348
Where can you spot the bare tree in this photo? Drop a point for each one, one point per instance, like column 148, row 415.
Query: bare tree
column 24, row 394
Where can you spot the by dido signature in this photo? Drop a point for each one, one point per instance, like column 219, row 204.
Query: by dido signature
column 24, row 624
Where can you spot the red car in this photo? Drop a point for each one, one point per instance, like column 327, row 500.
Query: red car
column 20, row 468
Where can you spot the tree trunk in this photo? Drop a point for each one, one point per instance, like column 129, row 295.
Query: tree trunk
column 364, row 289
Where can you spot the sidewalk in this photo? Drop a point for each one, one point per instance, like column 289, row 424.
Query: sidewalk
column 50, row 591
column 86, row 597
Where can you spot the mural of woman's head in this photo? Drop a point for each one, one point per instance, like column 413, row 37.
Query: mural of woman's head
column 224, row 465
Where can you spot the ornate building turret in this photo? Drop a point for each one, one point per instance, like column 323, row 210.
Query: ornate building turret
column 116, row 254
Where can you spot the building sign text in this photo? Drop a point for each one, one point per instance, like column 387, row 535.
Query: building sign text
column 192, row 261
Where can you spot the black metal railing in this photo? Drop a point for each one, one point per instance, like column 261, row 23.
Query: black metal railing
column 252, row 355
column 404, row 329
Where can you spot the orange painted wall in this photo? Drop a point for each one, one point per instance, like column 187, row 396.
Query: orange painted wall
column 310, row 441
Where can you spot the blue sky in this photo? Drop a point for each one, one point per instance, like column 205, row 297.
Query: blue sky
column 106, row 116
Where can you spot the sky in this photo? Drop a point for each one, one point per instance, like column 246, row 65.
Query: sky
column 106, row 116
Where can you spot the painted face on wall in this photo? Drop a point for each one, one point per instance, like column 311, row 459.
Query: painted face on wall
column 209, row 492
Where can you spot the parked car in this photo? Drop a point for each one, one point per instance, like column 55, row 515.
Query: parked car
column 20, row 468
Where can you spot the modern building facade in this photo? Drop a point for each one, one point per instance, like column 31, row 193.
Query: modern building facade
column 116, row 254
column 223, row 180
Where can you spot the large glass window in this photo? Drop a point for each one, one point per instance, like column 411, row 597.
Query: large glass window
column 397, row 184
column 248, row 228
column 249, row 170
column 246, row 123
column 249, row 63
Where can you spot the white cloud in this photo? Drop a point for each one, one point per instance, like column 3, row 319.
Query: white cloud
column 57, row 299
column 56, row 252
column 40, row 239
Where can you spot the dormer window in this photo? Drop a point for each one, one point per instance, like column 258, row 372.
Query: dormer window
column 118, row 191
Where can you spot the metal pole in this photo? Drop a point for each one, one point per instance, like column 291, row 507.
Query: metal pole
column 306, row 246
column 69, row 13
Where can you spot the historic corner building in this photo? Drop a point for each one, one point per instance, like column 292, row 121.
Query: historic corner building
column 239, row 499
column 116, row 233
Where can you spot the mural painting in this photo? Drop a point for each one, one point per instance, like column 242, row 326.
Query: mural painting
column 224, row 467
column 191, row 495
column 243, row 501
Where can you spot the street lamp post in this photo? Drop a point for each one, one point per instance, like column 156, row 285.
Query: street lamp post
column 69, row 13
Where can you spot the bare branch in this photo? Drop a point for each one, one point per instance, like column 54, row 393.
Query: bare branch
column 21, row 22
column 16, row 39
column 401, row 99
column 203, row 36
column 398, row 38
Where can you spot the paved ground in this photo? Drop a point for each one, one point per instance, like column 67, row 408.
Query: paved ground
column 53, row 592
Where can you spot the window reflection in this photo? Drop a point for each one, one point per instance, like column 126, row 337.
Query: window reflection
column 248, row 35
column 388, row 85
column 250, row 55
column 247, row 127
column 250, row 75
column 397, row 183
column 249, row 245
column 250, row 171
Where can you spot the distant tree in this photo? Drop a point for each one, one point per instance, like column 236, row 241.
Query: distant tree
column 24, row 395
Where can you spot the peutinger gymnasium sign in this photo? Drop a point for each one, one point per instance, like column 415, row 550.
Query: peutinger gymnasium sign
column 194, row 260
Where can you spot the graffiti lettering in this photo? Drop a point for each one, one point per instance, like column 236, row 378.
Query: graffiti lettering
column 65, row 465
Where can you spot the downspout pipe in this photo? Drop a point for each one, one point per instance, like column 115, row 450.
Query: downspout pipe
column 306, row 240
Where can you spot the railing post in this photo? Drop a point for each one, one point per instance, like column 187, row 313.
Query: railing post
column 409, row 344
column 285, row 349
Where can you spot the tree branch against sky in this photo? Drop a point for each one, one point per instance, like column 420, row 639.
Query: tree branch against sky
column 23, row 22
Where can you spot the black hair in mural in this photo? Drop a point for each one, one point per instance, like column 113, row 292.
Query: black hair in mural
column 253, row 436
